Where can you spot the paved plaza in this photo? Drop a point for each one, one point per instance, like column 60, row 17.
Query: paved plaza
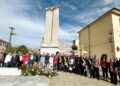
column 67, row 79
column 63, row 79
column 23, row 81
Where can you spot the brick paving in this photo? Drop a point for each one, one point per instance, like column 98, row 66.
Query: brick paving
column 67, row 79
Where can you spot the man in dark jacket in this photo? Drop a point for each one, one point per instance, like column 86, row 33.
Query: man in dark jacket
column 113, row 72
column 77, row 67
column 13, row 61
column 118, row 67
column 4, row 56
column 47, row 58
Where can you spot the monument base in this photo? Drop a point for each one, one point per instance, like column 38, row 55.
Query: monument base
column 49, row 50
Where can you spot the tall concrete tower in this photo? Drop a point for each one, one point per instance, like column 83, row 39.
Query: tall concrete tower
column 50, row 41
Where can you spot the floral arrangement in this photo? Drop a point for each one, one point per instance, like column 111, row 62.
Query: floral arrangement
column 35, row 70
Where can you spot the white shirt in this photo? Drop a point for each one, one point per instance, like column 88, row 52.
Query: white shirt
column 51, row 60
column 71, row 61
column 21, row 58
column 8, row 58
column 31, row 57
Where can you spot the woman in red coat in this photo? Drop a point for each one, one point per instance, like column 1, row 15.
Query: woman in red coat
column 55, row 61
column 25, row 59
column 104, row 65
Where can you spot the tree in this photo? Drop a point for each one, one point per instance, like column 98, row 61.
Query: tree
column 12, row 49
column 74, row 47
column 22, row 49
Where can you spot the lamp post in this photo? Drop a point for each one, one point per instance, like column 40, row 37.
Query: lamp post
column 10, row 37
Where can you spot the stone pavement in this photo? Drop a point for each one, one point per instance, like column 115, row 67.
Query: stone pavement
column 23, row 81
column 9, row 71
column 63, row 79
column 67, row 79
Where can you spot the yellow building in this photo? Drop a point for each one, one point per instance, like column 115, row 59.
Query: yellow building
column 102, row 36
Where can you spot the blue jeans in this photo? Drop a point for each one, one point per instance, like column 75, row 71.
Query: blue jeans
column 31, row 62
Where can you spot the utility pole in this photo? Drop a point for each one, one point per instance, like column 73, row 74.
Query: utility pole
column 10, row 37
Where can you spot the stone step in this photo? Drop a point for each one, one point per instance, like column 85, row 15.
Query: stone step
column 9, row 71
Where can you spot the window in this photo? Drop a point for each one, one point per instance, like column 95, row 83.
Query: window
column 118, row 49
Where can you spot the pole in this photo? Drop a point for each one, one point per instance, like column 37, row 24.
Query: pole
column 10, row 37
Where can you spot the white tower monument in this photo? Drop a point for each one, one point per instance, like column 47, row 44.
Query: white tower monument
column 50, row 43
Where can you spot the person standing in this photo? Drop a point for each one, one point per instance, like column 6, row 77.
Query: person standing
column 89, row 65
column 51, row 62
column 113, row 71
column 31, row 59
column 71, row 64
column 13, row 60
column 118, row 68
column 21, row 58
column 55, row 61
column 25, row 59
column 60, row 63
column 82, row 65
column 1, row 58
column 47, row 58
column 65, row 63
column 77, row 66
column 17, row 60
column 4, row 56
column 42, row 61
column 104, row 66
column 96, row 67
column 37, row 57
column 7, row 60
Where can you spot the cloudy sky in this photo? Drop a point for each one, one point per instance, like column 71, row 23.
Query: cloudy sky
column 27, row 16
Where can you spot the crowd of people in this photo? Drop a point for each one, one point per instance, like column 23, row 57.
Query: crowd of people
column 91, row 67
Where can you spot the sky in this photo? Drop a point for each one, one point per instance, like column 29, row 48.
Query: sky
column 28, row 18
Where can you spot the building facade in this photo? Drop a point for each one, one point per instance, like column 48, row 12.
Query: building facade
column 64, row 49
column 102, row 36
column 3, row 45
